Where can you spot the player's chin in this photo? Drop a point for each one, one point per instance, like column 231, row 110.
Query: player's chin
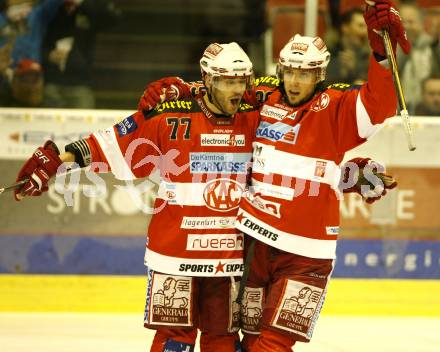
column 294, row 98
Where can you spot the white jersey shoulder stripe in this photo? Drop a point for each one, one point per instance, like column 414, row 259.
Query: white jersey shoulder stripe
column 221, row 194
column 365, row 128
column 267, row 160
column 271, row 190
column 110, row 147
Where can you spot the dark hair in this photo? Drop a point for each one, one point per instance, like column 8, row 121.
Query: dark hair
column 347, row 16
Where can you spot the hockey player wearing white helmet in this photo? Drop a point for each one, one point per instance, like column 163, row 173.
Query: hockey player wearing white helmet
column 295, row 179
column 226, row 73
column 292, row 206
column 202, row 146
column 301, row 67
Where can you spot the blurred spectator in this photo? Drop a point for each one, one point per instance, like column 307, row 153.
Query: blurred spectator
column 27, row 84
column 422, row 61
column 24, row 87
column 68, row 52
column 430, row 104
column 350, row 57
column 5, row 73
column 24, row 22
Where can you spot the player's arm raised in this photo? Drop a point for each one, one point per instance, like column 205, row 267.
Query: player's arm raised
column 372, row 103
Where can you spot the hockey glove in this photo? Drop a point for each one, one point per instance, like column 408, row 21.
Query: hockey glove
column 369, row 178
column 169, row 88
column 38, row 170
column 384, row 15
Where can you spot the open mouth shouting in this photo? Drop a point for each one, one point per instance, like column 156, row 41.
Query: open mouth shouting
column 235, row 102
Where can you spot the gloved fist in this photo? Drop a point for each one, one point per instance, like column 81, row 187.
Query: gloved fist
column 384, row 15
column 366, row 178
column 169, row 88
column 38, row 170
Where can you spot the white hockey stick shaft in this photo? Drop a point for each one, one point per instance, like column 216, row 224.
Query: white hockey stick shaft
column 398, row 86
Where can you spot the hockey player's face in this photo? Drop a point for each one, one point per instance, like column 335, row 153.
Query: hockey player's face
column 226, row 93
column 299, row 84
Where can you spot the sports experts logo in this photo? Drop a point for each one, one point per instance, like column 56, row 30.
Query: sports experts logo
column 211, row 268
column 255, row 228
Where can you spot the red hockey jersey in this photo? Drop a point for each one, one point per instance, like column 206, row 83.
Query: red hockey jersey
column 293, row 201
column 203, row 160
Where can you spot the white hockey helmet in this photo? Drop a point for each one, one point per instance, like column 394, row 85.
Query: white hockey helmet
column 305, row 53
column 226, row 60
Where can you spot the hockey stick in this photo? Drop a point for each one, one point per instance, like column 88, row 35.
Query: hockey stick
column 21, row 183
column 13, row 187
column 397, row 86
column 247, row 268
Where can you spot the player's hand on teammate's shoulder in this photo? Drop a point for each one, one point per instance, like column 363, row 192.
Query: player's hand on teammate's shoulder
column 38, row 170
column 168, row 88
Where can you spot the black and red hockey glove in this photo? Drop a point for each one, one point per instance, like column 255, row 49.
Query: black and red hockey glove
column 366, row 178
column 169, row 88
column 384, row 15
column 38, row 170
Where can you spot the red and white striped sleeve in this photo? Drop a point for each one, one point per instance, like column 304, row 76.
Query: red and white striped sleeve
column 130, row 148
column 361, row 111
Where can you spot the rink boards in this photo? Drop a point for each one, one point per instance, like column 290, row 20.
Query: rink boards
column 371, row 277
column 110, row 255
column 124, row 294
column 56, row 257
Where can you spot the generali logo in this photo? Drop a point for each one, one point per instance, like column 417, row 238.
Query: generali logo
column 222, row 194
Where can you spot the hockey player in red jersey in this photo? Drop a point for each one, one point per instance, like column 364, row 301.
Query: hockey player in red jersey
column 202, row 147
column 292, row 208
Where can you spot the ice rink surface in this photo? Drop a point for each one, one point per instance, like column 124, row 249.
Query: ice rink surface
column 84, row 332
